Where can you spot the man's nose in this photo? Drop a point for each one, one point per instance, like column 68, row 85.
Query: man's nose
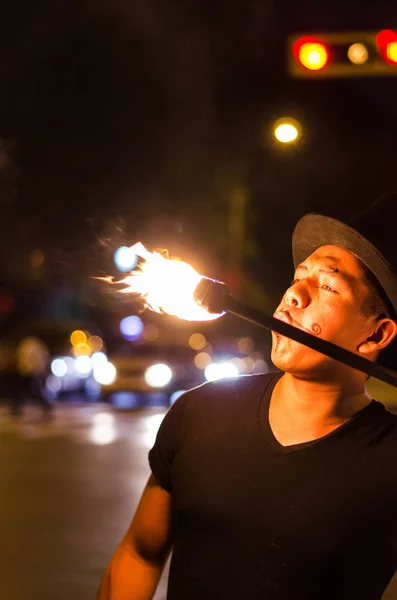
column 297, row 295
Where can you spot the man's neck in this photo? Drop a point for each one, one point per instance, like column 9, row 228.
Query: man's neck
column 301, row 410
column 321, row 400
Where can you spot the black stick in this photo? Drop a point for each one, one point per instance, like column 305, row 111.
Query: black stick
column 215, row 297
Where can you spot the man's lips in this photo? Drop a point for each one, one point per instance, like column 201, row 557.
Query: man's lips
column 283, row 315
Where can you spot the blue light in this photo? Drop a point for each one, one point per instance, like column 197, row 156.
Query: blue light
column 125, row 258
column 131, row 327
column 175, row 395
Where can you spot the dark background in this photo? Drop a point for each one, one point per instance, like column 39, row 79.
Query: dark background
column 126, row 121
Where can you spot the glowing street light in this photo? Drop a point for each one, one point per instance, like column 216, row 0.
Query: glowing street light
column 287, row 130
column 358, row 53
column 311, row 53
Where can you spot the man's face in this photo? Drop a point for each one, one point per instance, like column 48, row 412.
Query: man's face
column 325, row 299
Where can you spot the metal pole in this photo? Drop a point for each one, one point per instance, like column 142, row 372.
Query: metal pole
column 216, row 298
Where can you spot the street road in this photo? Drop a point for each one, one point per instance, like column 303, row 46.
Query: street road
column 68, row 491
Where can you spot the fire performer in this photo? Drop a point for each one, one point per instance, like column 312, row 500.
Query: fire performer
column 284, row 485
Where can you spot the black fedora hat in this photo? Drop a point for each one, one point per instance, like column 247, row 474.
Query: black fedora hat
column 371, row 236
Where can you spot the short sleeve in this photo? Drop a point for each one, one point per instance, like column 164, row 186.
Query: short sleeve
column 168, row 439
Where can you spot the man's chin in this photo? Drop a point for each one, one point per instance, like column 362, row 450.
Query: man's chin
column 301, row 361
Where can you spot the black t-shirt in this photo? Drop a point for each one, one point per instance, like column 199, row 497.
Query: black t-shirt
column 255, row 520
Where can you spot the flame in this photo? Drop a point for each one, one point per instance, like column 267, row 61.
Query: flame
column 167, row 285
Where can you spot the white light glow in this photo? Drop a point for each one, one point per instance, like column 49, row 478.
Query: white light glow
column 59, row 368
column 152, row 424
column 158, row 376
column 105, row 374
column 70, row 364
column 83, row 365
column 286, row 133
column 103, row 419
column 98, row 359
column 216, row 371
column 103, row 429
column 125, row 258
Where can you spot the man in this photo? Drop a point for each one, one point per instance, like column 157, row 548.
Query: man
column 282, row 486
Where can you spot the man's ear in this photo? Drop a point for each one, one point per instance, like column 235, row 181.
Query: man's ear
column 384, row 332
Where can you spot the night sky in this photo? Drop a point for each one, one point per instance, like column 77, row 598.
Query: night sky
column 126, row 121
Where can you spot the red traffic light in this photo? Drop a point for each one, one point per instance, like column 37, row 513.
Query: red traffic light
column 386, row 42
column 311, row 53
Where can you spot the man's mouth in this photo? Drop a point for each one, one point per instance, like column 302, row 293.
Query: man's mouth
column 283, row 315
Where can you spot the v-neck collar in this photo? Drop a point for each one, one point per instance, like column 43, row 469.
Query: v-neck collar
column 276, row 446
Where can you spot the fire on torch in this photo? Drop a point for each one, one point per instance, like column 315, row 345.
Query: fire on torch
column 173, row 287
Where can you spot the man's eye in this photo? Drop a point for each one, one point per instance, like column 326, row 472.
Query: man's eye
column 328, row 288
column 293, row 282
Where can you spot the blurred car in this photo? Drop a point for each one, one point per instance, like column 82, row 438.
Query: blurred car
column 153, row 372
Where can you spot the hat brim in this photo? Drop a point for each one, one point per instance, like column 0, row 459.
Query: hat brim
column 313, row 231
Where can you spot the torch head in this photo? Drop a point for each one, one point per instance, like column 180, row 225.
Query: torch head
column 212, row 295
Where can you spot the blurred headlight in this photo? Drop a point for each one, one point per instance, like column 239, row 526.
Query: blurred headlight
column 59, row 367
column 98, row 359
column 105, row 374
column 216, row 371
column 83, row 365
column 158, row 376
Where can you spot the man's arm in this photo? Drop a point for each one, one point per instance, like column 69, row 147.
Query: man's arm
column 135, row 568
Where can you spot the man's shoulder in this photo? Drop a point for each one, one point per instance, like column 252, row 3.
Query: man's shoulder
column 382, row 430
column 229, row 391
column 243, row 383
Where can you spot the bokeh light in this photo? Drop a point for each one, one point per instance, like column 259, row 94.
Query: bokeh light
column 95, row 343
column 391, row 52
column 125, row 258
column 357, row 53
column 98, row 359
column 247, row 364
column 78, row 337
column 103, row 429
column 239, row 363
column 386, row 41
column 83, row 365
column 260, row 366
column 202, row 360
column 197, row 341
column 103, row 418
column 131, row 327
column 69, row 361
column 53, row 384
column 245, row 345
column 59, row 368
column 105, row 374
column 158, row 375
column 286, row 130
column 216, row 371
column 81, row 350
column 313, row 55
column 151, row 425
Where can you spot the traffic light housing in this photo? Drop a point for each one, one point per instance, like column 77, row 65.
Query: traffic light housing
column 348, row 54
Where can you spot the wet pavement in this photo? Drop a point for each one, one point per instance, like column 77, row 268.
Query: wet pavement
column 69, row 489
